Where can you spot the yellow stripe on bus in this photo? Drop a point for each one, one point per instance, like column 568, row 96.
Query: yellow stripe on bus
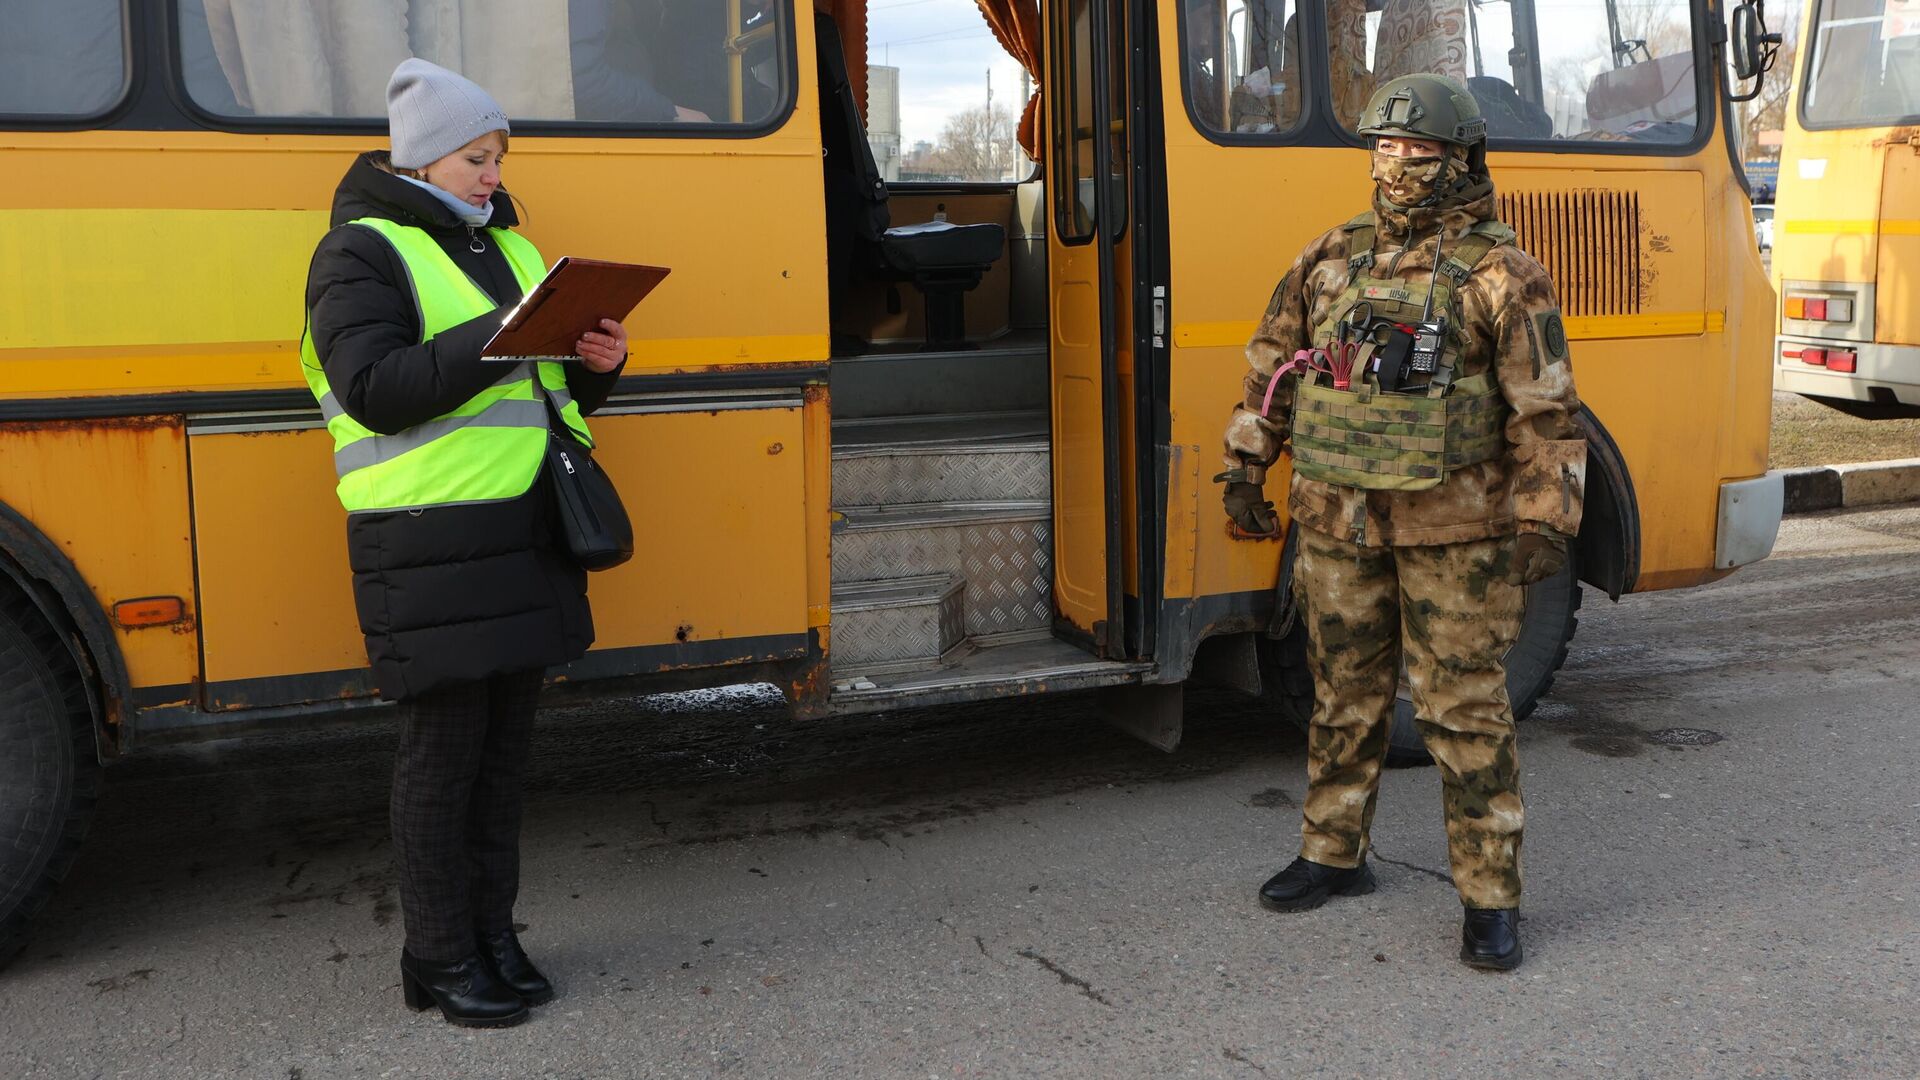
column 92, row 371
column 150, row 369
column 153, row 277
column 1861, row 227
column 1579, row 328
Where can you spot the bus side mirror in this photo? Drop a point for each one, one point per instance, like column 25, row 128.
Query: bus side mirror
column 1754, row 48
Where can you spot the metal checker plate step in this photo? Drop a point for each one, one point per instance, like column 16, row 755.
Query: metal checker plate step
column 892, row 474
column 1017, row 667
column 1003, row 551
column 908, row 621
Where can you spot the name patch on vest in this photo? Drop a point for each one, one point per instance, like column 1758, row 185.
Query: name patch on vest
column 1386, row 292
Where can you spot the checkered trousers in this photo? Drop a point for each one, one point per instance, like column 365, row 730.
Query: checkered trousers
column 457, row 782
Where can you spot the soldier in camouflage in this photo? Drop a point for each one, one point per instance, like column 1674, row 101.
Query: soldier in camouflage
column 1427, row 494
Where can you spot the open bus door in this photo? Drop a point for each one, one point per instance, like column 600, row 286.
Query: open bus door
column 1089, row 259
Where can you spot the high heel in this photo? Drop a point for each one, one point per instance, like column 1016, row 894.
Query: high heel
column 418, row 999
column 466, row 991
column 503, row 956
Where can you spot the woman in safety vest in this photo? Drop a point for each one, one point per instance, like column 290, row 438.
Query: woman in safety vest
column 464, row 588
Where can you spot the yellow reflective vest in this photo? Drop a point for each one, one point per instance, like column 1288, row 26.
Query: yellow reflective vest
column 489, row 448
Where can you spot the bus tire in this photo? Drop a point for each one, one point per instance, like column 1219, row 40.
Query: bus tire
column 1285, row 683
column 1546, row 631
column 49, row 776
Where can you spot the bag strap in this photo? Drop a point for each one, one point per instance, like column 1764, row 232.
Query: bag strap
column 1452, row 273
column 556, row 424
column 1360, row 238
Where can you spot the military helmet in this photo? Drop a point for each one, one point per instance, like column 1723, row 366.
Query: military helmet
column 1425, row 107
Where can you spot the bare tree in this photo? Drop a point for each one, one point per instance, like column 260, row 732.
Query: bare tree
column 976, row 144
column 1768, row 112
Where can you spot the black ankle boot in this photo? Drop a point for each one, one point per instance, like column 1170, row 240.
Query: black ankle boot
column 1305, row 885
column 467, row 993
column 1490, row 938
column 508, row 962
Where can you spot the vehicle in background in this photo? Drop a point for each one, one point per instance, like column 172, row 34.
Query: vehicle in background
column 1763, row 226
column 1848, row 250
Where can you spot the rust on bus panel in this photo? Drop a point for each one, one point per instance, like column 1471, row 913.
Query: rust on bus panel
column 1900, row 136
column 93, row 426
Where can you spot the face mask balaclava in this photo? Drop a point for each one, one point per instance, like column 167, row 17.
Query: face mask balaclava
column 1409, row 182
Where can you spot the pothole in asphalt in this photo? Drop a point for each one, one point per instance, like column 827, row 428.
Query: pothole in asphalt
column 1607, row 745
column 1684, row 736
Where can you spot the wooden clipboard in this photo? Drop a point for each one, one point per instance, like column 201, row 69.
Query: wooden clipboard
column 570, row 301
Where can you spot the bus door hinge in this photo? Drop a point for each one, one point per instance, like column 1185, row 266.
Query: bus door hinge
column 1159, row 316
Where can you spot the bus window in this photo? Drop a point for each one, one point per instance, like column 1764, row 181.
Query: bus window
column 63, row 60
column 1243, row 65
column 1603, row 71
column 1865, row 64
column 629, row 62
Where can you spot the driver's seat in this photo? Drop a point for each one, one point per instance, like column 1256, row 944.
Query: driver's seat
column 943, row 260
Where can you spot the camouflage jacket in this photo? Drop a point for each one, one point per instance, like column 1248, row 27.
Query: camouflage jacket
column 1512, row 323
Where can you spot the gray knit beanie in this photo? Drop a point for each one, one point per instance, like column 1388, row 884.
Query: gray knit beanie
column 432, row 112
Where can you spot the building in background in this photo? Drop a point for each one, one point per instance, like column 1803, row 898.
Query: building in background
column 883, row 119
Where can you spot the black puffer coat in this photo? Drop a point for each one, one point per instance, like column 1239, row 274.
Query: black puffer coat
column 457, row 592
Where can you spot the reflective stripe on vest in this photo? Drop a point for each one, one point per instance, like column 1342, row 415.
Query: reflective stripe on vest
column 489, row 448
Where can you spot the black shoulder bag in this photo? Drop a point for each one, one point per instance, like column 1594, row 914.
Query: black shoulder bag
column 598, row 531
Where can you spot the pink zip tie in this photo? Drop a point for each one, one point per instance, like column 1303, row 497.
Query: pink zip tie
column 1304, row 356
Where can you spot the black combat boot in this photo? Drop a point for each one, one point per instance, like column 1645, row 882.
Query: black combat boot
column 1305, row 885
column 467, row 993
column 508, row 962
column 1490, row 938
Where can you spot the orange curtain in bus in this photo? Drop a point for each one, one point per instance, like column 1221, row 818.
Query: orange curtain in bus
column 1017, row 24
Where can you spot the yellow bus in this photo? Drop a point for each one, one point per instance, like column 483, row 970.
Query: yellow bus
column 889, row 443
column 1846, row 251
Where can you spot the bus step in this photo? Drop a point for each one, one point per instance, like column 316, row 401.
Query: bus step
column 1022, row 664
column 892, row 473
column 906, row 622
column 1003, row 551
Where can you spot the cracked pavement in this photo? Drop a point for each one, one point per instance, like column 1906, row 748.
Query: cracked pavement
column 1013, row 889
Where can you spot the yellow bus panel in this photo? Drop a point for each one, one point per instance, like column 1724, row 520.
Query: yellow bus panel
column 276, row 597
column 112, row 496
column 734, row 562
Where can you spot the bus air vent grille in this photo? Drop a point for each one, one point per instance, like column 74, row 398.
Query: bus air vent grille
column 1589, row 241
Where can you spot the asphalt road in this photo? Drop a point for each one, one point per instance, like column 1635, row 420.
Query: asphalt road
column 1722, row 855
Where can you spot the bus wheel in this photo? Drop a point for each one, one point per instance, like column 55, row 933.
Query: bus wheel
column 1546, row 630
column 49, row 776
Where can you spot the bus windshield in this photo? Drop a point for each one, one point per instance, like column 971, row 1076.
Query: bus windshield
column 1864, row 65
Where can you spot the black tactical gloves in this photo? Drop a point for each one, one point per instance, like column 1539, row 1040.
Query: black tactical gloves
column 1249, row 513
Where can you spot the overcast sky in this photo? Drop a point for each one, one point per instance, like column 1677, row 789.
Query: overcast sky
column 943, row 49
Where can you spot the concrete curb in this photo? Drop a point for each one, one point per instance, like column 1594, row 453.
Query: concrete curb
column 1868, row 483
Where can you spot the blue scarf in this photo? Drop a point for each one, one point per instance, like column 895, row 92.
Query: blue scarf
column 476, row 216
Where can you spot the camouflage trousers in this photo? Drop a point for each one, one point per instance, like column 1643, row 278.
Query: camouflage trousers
column 1449, row 607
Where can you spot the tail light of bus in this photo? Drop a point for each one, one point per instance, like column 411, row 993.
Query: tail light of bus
column 1837, row 309
column 1816, row 357
column 1842, row 360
